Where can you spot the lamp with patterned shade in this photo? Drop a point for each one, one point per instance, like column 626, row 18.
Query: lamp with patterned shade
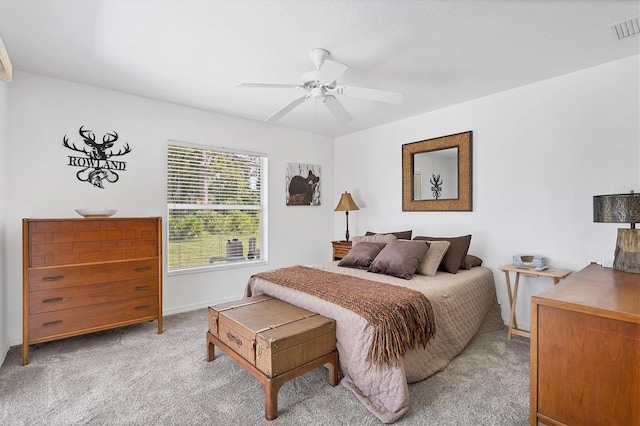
column 621, row 208
column 346, row 204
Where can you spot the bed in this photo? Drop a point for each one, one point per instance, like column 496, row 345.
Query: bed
column 464, row 304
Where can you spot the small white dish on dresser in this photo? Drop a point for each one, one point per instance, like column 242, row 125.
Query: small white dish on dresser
column 96, row 212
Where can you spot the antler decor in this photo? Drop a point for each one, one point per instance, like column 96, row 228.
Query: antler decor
column 97, row 166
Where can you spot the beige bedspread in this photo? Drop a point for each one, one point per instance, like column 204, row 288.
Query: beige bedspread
column 464, row 304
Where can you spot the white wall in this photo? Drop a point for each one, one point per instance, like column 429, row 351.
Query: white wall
column 540, row 153
column 40, row 184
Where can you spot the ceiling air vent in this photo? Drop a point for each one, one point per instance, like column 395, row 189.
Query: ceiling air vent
column 627, row 28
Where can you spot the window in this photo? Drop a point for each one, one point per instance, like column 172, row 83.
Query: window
column 216, row 202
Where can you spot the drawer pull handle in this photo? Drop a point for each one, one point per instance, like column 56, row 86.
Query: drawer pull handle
column 55, row 278
column 53, row 300
column 142, row 308
column 143, row 269
column 234, row 339
column 142, row 287
column 50, row 323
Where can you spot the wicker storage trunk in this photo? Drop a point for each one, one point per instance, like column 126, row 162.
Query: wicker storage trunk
column 272, row 335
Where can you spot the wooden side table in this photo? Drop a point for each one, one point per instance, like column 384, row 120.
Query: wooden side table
column 340, row 249
column 556, row 274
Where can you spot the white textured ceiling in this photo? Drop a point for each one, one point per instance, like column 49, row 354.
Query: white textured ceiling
column 438, row 53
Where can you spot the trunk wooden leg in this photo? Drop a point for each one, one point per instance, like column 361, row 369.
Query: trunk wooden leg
column 211, row 353
column 333, row 369
column 271, row 389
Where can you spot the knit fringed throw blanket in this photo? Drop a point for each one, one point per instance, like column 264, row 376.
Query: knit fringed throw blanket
column 401, row 318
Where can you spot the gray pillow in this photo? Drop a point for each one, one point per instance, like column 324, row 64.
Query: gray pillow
column 401, row 235
column 361, row 255
column 471, row 261
column 455, row 255
column 375, row 238
column 399, row 258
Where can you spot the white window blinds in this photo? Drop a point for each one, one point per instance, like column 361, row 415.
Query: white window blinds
column 215, row 201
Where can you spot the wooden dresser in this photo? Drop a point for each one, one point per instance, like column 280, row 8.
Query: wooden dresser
column 85, row 275
column 585, row 350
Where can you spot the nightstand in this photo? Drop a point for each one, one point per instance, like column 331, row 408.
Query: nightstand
column 340, row 249
column 556, row 274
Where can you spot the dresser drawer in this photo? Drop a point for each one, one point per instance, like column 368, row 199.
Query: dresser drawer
column 93, row 294
column 50, row 325
column 68, row 276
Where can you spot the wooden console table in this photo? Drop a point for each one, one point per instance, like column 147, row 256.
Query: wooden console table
column 556, row 274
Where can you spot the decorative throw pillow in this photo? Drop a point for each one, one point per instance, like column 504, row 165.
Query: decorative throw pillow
column 470, row 261
column 455, row 255
column 401, row 235
column 361, row 255
column 431, row 260
column 374, row 238
column 400, row 258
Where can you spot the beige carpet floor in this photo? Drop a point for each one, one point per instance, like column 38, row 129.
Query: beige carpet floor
column 134, row 376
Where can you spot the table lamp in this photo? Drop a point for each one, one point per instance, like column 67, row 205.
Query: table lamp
column 621, row 208
column 346, row 204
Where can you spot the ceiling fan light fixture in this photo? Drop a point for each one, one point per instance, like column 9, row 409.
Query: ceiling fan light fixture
column 317, row 93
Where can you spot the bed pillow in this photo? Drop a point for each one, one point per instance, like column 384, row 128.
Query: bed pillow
column 470, row 261
column 374, row 238
column 401, row 235
column 431, row 260
column 399, row 258
column 361, row 255
column 456, row 253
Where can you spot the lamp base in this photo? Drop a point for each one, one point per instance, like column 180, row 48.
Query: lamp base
column 627, row 254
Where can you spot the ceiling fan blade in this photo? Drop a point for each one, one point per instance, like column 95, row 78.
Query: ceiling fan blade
column 371, row 94
column 337, row 109
column 286, row 109
column 330, row 71
column 270, row 86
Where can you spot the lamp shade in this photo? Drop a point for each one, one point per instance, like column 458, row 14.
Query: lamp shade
column 617, row 208
column 346, row 203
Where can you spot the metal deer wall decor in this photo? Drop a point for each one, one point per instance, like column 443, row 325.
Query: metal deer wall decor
column 437, row 186
column 97, row 165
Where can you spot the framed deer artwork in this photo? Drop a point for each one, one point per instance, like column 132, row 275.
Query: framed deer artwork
column 97, row 166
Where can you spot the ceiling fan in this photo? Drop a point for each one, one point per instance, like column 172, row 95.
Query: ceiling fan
column 321, row 84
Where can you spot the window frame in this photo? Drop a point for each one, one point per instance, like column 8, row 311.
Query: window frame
column 262, row 208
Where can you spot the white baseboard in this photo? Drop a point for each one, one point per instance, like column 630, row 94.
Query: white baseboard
column 194, row 306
